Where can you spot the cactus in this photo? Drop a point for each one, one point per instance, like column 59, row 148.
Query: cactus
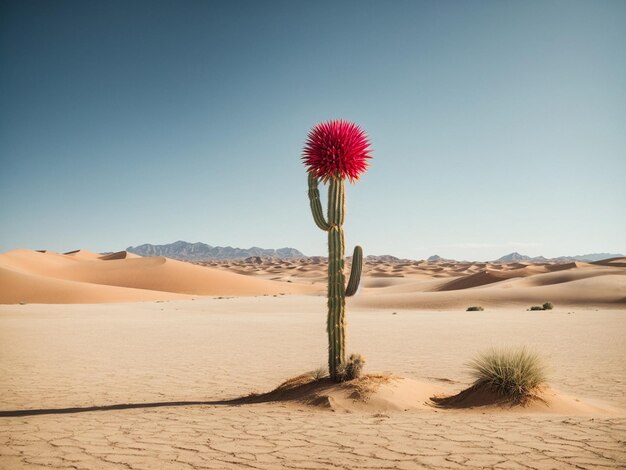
column 336, row 150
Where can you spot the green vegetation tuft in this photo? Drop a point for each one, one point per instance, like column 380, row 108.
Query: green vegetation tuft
column 512, row 373
column 545, row 306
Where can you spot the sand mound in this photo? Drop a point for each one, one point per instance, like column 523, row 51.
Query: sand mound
column 384, row 392
column 489, row 276
column 34, row 277
column 83, row 254
column 616, row 262
column 563, row 266
column 20, row 287
column 571, row 275
column 118, row 255
column 370, row 393
column 385, row 284
column 544, row 400
column 475, row 280
column 390, row 284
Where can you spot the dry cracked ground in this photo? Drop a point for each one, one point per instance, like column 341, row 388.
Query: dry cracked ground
column 58, row 357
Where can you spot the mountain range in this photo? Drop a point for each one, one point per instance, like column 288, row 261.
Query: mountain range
column 515, row 257
column 186, row 251
column 182, row 250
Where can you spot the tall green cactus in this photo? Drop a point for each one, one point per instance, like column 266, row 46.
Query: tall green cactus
column 335, row 151
column 337, row 292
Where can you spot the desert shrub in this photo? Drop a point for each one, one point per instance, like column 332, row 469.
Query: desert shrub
column 319, row 373
column 475, row 308
column 536, row 307
column 352, row 368
column 548, row 306
column 511, row 373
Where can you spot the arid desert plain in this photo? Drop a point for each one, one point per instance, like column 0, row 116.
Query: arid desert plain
column 119, row 361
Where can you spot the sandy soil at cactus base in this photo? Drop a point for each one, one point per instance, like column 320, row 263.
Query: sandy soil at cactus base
column 131, row 363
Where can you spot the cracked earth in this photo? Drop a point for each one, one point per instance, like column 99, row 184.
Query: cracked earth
column 54, row 357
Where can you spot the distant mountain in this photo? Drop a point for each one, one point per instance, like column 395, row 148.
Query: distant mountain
column 384, row 258
column 201, row 251
column 516, row 257
column 513, row 258
column 436, row 258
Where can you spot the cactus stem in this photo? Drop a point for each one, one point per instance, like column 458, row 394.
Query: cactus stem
column 337, row 290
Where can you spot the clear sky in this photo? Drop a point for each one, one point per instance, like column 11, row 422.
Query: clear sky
column 496, row 126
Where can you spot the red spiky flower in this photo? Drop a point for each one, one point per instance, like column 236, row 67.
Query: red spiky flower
column 336, row 148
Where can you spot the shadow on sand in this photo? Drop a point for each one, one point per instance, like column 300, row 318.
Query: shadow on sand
column 120, row 406
column 295, row 389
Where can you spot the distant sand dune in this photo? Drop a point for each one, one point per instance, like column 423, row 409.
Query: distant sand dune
column 83, row 254
column 77, row 277
column 82, row 277
column 21, row 287
column 482, row 278
column 118, row 255
column 560, row 277
column 599, row 289
column 616, row 262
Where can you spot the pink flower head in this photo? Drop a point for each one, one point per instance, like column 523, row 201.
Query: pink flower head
column 336, row 148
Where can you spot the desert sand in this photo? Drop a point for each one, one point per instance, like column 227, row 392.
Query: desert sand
column 109, row 363
column 29, row 276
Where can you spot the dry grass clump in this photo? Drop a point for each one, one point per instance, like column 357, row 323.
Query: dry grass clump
column 354, row 366
column 364, row 387
column 351, row 369
column 319, row 373
column 514, row 374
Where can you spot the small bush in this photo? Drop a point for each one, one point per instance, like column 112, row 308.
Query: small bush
column 511, row 373
column 536, row 307
column 548, row 306
column 475, row 308
column 319, row 373
column 352, row 369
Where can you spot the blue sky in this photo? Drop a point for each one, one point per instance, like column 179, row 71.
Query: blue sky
column 496, row 126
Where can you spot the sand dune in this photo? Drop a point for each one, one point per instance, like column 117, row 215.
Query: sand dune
column 22, row 287
column 601, row 289
column 118, row 255
column 437, row 285
column 482, row 278
column 615, row 262
column 82, row 277
column 82, row 254
column 546, row 401
column 385, row 392
column 31, row 276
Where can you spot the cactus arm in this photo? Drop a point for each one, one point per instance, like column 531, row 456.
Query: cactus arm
column 316, row 205
column 355, row 271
